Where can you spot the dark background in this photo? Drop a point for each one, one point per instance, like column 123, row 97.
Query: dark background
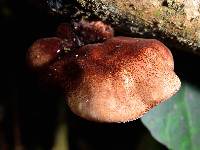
column 30, row 113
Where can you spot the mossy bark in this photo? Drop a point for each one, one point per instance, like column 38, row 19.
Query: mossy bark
column 175, row 22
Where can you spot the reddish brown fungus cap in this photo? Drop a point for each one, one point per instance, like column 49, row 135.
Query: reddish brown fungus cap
column 43, row 51
column 46, row 51
column 118, row 79
column 121, row 79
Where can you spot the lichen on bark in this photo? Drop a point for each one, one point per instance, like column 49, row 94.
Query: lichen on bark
column 174, row 21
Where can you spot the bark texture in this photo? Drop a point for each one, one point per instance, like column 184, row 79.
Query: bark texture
column 175, row 22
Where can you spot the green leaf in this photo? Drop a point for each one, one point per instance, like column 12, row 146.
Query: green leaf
column 176, row 122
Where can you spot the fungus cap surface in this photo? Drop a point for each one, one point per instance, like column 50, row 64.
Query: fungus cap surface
column 121, row 79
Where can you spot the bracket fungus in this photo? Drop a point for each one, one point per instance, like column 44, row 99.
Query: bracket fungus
column 105, row 78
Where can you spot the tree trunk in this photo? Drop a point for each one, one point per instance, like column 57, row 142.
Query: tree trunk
column 175, row 22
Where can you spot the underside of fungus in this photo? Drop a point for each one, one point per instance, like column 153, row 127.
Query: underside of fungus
column 105, row 78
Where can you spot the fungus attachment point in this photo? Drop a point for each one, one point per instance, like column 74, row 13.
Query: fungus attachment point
column 93, row 32
column 109, row 79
